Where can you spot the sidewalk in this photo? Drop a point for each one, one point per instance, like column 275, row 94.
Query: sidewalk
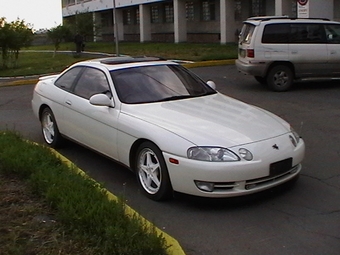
column 21, row 80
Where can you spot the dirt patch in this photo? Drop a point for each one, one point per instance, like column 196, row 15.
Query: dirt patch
column 29, row 226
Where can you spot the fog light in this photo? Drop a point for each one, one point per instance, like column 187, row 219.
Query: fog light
column 250, row 186
column 205, row 186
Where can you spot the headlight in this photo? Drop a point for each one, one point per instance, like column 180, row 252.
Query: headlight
column 296, row 136
column 214, row 154
column 245, row 154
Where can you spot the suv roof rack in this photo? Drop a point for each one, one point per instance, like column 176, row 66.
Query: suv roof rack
column 266, row 18
column 128, row 59
column 325, row 19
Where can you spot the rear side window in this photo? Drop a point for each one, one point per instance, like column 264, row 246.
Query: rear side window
column 294, row 33
column 67, row 80
column 246, row 33
column 276, row 33
column 307, row 33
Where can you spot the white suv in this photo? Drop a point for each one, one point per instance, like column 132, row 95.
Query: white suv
column 279, row 50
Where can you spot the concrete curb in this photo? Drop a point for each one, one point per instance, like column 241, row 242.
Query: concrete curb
column 174, row 247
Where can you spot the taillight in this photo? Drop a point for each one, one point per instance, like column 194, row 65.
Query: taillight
column 250, row 53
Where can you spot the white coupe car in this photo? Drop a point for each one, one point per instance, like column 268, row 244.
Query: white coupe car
column 175, row 131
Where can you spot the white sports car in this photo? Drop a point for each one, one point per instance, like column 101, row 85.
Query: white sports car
column 175, row 131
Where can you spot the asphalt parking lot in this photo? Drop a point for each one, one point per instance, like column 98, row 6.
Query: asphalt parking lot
column 303, row 218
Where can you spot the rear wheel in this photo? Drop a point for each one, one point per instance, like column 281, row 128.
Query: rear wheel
column 152, row 173
column 280, row 78
column 50, row 129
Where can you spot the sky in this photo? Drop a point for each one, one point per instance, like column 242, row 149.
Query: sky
column 40, row 14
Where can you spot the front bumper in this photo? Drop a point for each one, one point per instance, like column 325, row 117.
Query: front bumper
column 230, row 179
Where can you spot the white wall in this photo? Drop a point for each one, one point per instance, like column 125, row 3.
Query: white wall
column 321, row 9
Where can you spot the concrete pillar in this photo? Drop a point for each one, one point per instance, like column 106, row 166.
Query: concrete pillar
column 283, row 7
column 120, row 24
column 145, row 23
column 180, row 22
column 227, row 21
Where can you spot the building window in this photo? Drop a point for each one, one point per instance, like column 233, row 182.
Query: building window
column 189, row 11
column 137, row 16
column 155, row 14
column 68, row 2
column 258, row 8
column 208, row 10
column 238, row 10
column 107, row 19
column 127, row 19
column 169, row 13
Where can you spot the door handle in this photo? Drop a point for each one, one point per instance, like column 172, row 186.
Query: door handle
column 68, row 102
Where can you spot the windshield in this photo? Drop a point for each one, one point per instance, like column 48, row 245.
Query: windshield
column 157, row 83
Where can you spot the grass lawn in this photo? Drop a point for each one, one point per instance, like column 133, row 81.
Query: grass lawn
column 33, row 62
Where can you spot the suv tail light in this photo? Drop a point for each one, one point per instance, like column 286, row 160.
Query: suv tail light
column 250, row 53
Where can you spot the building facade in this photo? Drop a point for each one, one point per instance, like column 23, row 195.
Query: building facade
column 187, row 20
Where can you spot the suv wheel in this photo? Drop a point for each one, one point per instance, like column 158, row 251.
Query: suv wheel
column 280, row 78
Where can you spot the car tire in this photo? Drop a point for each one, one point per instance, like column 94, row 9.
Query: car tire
column 50, row 129
column 261, row 80
column 152, row 173
column 280, row 78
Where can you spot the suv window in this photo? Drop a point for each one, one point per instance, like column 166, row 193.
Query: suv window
column 333, row 33
column 246, row 33
column 276, row 33
column 307, row 33
column 294, row 33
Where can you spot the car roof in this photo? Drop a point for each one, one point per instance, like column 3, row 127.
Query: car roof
column 112, row 63
column 286, row 19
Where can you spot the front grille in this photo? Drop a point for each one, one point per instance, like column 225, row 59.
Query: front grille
column 220, row 186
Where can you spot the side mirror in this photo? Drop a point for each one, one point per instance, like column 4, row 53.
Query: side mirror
column 211, row 84
column 101, row 100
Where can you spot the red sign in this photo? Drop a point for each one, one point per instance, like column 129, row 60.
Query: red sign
column 302, row 2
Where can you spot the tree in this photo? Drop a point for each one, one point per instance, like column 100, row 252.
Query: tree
column 13, row 36
column 82, row 23
column 57, row 35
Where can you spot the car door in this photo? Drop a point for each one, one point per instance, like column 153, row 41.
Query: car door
column 333, row 48
column 90, row 125
column 308, row 50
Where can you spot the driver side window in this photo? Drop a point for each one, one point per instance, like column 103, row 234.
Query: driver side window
column 92, row 81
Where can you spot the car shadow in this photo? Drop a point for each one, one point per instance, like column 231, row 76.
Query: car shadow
column 317, row 85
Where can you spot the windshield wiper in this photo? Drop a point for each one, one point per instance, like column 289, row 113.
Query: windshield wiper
column 174, row 98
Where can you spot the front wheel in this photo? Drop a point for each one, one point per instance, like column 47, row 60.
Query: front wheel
column 152, row 173
column 50, row 129
column 280, row 78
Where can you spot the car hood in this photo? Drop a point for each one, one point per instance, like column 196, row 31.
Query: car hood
column 215, row 120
